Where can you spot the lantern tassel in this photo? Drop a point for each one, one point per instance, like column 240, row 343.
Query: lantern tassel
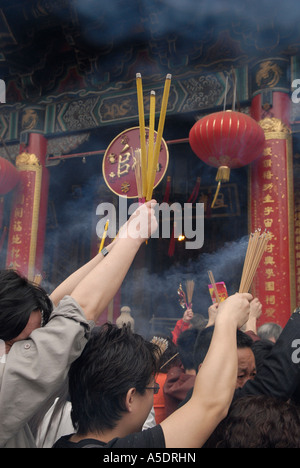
column 223, row 175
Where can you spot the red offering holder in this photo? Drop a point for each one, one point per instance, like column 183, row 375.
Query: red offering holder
column 221, row 290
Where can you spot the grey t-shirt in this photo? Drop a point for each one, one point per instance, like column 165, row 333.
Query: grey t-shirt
column 34, row 370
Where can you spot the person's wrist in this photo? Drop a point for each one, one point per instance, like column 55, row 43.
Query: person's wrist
column 226, row 318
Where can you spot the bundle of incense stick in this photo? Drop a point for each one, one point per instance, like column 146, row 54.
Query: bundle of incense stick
column 190, row 284
column 213, row 283
column 256, row 247
column 149, row 158
column 161, row 343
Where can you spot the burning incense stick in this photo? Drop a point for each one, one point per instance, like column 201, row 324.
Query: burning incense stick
column 213, row 283
column 161, row 124
column 104, row 236
column 256, row 247
column 139, row 87
column 169, row 360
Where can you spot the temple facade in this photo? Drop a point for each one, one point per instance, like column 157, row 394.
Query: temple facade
column 57, row 123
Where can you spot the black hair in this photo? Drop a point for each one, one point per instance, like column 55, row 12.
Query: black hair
column 261, row 350
column 258, row 421
column 113, row 361
column 204, row 339
column 18, row 298
column 185, row 345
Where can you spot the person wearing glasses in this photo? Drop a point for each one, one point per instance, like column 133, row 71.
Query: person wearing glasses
column 112, row 383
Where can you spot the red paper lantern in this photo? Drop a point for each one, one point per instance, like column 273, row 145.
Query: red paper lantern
column 227, row 140
column 9, row 176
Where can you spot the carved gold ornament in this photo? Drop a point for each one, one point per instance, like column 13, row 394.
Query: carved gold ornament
column 271, row 124
column 27, row 159
column 268, row 74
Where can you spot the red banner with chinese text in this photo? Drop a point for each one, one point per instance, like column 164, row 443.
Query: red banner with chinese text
column 23, row 232
column 271, row 208
column 297, row 244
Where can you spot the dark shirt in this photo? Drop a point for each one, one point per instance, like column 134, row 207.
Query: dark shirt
column 150, row 438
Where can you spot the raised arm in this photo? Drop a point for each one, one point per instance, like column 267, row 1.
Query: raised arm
column 67, row 286
column 192, row 424
column 99, row 286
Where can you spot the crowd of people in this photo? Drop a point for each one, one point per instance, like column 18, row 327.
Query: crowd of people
column 65, row 383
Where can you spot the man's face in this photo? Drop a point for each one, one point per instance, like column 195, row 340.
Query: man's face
column 246, row 366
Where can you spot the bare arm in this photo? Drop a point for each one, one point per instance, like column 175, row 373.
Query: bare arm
column 191, row 425
column 67, row 286
column 99, row 286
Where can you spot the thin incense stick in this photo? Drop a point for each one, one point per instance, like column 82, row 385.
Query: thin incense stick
column 213, row 283
column 139, row 87
column 189, row 290
column 151, row 137
column 161, row 124
column 104, row 236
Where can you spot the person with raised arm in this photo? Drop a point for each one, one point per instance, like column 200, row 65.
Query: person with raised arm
column 113, row 381
column 42, row 336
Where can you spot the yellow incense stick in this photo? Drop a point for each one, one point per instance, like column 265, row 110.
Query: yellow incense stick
column 139, row 87
column 161, row 124
column 151, row 136
column 104, row 236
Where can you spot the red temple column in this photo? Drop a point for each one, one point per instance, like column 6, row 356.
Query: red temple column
column 29, row 209
column 271, row 194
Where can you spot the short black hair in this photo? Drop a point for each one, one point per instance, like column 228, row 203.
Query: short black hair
column 185, row 344
column 18, row 298
column 204, row 339
column 113, row 361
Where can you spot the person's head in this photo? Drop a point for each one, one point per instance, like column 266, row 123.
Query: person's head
column 269, row 331
column 24, row 306
column 170, row 357
column 258, row 421
column 109, row 383
column 198, row 321
column 261, row 350
column 185, row 345
column 246, row 360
